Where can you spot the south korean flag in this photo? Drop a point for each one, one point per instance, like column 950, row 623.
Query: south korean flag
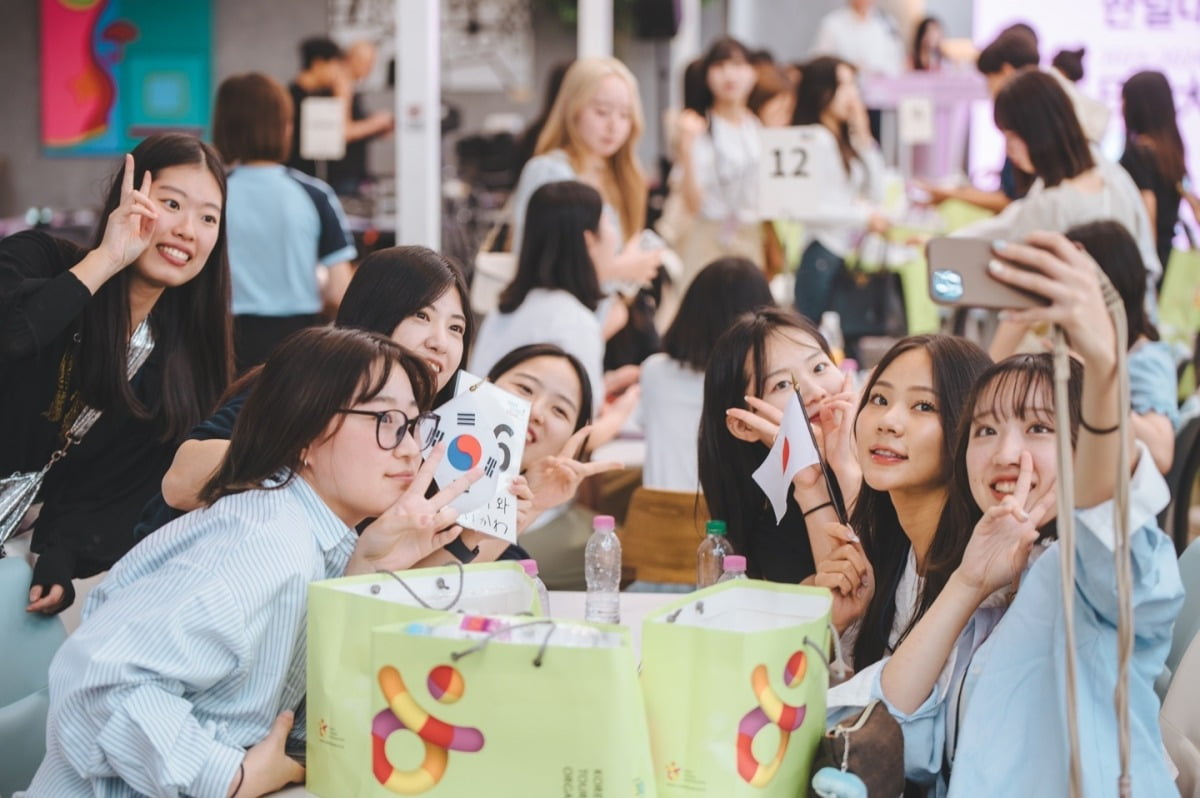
column 466, row 428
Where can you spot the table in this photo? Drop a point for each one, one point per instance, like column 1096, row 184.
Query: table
column 569, row 604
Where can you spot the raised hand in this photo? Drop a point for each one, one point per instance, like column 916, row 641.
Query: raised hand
column 414, row 526
column 1000, row 545
column 266, row 768
column 526, row 513
column 555, row 479
column 835, row 435
column 632, row 264
column 131, row 225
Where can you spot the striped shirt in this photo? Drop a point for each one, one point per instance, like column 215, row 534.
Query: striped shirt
column 190, row 649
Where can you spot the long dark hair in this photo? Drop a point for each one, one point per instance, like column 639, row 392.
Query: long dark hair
column 191, row 323
column 1150, row 117
column 302, row 385
column 723, row 49
column 523, row 353
column 719, row 294
column 394, row 283
column 1014, row 383
column 1033, row 106
column 919, row 40
column 553, row 250
column 735, row 369
column 955, row 363
column 1112, row 246
column 815, row 91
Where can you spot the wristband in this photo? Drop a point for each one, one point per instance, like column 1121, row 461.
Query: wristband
column 1096, row 430
column 460, row 551
column 821, row 506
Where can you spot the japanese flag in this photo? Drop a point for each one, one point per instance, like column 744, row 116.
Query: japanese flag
column 794, row 450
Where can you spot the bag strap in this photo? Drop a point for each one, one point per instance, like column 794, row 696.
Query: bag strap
column 141, row 344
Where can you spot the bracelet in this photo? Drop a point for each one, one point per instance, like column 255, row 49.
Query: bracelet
column 822, row 506
column 1096, row 431
column 241, row 779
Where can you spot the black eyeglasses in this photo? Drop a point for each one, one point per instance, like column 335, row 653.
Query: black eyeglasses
column 392, row 425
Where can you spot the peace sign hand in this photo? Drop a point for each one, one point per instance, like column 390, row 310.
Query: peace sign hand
column 555, row 479
column 414, row 526
column 131, row 225
column 999, row 547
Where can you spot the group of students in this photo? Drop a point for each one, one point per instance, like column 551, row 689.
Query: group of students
column 215, row 502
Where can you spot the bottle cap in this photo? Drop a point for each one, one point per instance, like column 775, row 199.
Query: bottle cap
column 604, row 522
column 734, row 562
column 530, row 567
column 715, row 527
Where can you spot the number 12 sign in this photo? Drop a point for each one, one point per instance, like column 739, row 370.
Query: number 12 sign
column 794, row 170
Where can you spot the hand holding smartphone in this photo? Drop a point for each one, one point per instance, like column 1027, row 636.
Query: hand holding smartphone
column 959, row 276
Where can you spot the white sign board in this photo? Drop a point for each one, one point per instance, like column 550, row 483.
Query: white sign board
column 915, row 120
column 797, row 164
column 322, row 129
column 509, row 416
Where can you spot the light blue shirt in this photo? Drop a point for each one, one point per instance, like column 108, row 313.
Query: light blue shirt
column 280, row 224
column 189, row 649
column 1000, row 715
column 1153, row 384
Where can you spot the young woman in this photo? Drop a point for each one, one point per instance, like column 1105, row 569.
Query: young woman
column 717, row 161
column 904, row 439
column 827, row 100
column 756, row 367
column 557, row 387
column 591, row 135
column 158, row 266
column 978, row 683
column 1154, row 411
column 926, row 55
column 554, row 295
column 205, row 709
column 673, row 380
column 283, row 224
column 1154, row 153
column 1043, row 136
column 411, row 294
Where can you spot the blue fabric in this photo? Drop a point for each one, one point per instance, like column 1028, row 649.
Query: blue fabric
column 1003, row 716
column 282, row 223
column 190, row 649
column 1153, row 384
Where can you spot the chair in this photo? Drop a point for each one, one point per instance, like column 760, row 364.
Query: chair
column 30, row 641
column 661, row 533
column 1180, row 479
column 1180, row 723
column 1187, row 625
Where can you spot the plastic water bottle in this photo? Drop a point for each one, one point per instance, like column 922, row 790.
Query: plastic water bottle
column 602, row 565
column 710, row 557
column 531, row 570
column 735, row 568
column 831, row 331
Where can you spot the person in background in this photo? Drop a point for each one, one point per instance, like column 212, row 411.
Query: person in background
column 673, row 380
column 717, row 163
column 827, row 101
column 926, row 55
column 1075, row 183
column 1154, row 153
column 773, row 99
column 187, row 672
column 284, row 226
column 348, row 175
column 527, row 141
column 867, row 39
column 1069, row 63
column 322, row 72
column 157, row 275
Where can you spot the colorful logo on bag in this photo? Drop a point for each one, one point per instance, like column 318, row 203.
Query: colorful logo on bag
column 673, row 772
column 323, row 729
column 439, row 738
column 771, row 709
column 464, row 452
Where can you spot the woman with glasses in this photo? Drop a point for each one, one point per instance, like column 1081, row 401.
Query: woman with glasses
column 206, row 709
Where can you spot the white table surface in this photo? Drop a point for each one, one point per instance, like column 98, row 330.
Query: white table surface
column 569, row 604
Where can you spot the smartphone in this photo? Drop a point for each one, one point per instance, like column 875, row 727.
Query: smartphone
column 959, row 276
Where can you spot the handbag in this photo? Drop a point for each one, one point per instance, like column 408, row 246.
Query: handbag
column 18, row 490
column 862, row 755
column 869, row 301
column 495, row 265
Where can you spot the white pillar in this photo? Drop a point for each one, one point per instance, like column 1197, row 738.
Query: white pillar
column 742, row 21
column 418, row 123
column 684, row 48
column 595, row 28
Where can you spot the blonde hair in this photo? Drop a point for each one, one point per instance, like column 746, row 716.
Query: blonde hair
column 578, row 87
